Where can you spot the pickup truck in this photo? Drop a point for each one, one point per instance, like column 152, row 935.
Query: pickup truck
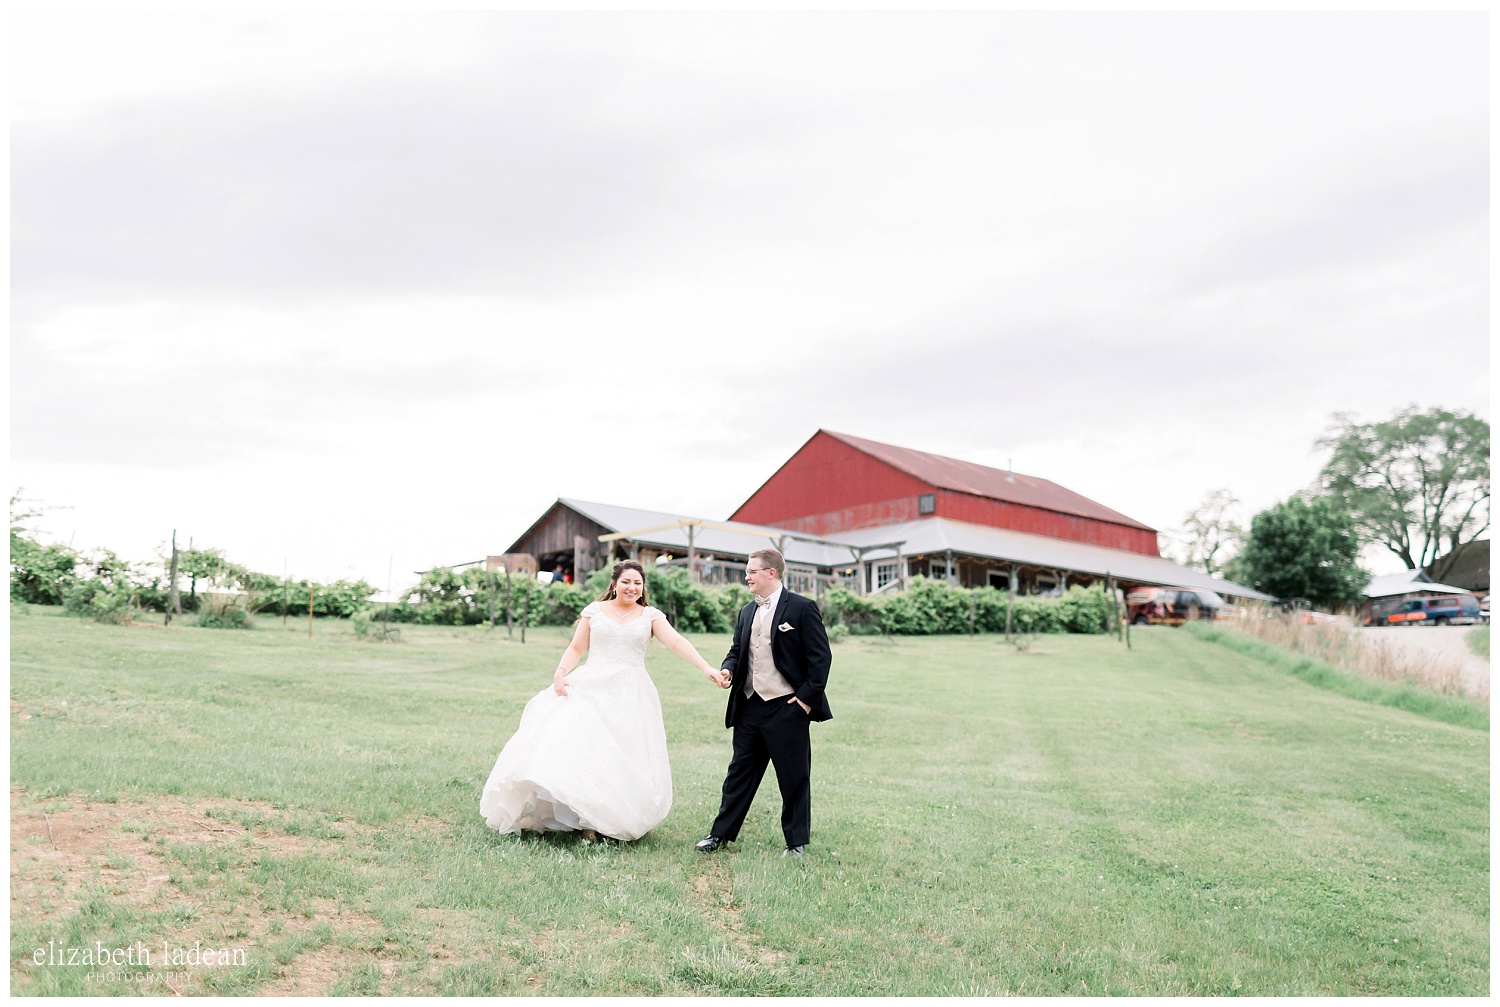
column 1441, row 610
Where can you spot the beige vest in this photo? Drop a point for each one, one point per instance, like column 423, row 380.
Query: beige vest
column 764, row 678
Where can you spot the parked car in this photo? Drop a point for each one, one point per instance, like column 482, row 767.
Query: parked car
column 1171, row 606
column 1440, row 610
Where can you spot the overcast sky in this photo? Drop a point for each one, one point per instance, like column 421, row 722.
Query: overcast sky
column 332, row 289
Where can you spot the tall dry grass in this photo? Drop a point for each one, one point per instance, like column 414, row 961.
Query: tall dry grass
column 1340, row 644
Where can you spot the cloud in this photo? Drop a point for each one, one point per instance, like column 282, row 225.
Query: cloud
column 643, row 258
column 357, row 190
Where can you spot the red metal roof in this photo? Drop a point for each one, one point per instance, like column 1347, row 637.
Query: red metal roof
column 981, row 480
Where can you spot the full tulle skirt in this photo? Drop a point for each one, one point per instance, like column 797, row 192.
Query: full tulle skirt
column 594, row 759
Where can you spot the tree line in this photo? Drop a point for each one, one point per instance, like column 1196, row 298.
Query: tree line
column 1416, row 484
column 219, row 593
column 215, row 589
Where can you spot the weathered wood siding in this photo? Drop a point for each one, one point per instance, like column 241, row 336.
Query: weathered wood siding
column 555, row 531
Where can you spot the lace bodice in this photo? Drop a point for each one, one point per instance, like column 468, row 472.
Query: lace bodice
column 611, row 641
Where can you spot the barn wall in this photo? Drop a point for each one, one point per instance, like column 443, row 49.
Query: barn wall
column 860, row 516
column 829, row 486
column 1018, row 517
column 556, row 530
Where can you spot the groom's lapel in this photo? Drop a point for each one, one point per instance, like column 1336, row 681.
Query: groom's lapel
column 780, row 611
column 745, row 643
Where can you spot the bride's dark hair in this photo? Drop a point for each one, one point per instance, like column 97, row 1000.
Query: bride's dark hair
column 614, row 575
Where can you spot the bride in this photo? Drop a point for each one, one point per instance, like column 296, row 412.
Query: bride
column 591, row 752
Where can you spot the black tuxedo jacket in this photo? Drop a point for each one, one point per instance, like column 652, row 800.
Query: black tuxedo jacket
column 801, row 653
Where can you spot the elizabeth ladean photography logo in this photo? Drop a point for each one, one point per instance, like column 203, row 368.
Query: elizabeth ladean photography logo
column 138, row 956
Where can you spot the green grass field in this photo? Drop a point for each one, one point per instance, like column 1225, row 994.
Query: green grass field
column 1175, row 819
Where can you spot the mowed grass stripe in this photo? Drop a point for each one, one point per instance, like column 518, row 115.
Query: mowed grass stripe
column 1177, row 818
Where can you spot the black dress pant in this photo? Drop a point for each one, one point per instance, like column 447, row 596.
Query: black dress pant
column 774, row 731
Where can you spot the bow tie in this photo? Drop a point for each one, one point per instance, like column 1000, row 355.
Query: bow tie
column 761, row 602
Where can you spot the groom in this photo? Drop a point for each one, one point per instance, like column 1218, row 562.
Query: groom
column 778, row 666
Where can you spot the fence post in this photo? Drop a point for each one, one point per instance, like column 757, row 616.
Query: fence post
column 173, row 599
column 510, row 610
column 1111, row 611
column 1010, row 599
column 526, row 610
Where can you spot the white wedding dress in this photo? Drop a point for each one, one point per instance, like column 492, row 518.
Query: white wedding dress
column 595, row 758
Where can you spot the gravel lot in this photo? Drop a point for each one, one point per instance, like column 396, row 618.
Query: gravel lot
column 1442, row 641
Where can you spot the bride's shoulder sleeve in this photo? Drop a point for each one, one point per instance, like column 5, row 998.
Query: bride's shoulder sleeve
column 653, row 613
column 589, row 611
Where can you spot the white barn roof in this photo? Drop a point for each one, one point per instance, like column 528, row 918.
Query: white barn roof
column 926, row 536
column 1407, row 582
column 936, row 534
column 715, row 540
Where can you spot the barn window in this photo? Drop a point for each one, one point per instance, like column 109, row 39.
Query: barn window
column 937, row 570
column 884, row 574
column 927, row 503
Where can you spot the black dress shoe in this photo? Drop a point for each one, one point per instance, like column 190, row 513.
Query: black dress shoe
column 709, row 843
column 793, row 851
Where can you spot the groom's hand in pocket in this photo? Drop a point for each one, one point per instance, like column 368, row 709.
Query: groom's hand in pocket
column 805, row 708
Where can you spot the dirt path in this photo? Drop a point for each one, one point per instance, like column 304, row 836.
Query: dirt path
column 1437, row 641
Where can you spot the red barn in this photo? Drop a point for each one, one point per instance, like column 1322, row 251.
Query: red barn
column 871, row 516
column 836, row 483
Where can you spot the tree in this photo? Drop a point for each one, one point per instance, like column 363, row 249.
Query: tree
column 1210, row 535
column 39, row 574
column 1417, row 483
column 1305, row 549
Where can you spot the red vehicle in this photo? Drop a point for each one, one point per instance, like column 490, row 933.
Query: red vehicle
column 1171, row 606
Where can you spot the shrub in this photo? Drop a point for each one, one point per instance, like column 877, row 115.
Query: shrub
column 925, row 607
column 933, row 606
column 561, row 604
column 101, row 600
column 447, row 597
column 731, row 598
column 222, row 610
column 1084, row 609
column 40, row 574
column 842, row 607
column 269, row 593
column 230, row 618
column 690, row 607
